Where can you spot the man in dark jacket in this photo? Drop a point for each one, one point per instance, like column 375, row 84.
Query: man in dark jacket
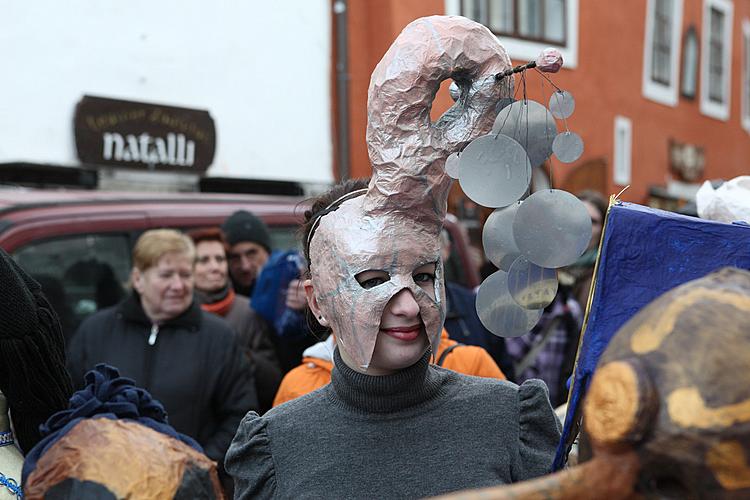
column 186, row 358
column 463, row 325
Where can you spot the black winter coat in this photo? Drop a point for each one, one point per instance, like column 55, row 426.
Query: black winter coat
column 195, row 367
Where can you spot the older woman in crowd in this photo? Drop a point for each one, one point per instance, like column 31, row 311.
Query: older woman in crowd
column 215, row 294
column 159, row 336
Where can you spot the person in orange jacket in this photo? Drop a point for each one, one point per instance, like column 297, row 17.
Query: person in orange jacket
column 317, row 362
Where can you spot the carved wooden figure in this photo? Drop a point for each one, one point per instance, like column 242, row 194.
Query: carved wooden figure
column 668, row 411
column 101, row 458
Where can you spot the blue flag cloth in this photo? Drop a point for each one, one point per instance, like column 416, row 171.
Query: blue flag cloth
column 645, row 252
column 106, row 395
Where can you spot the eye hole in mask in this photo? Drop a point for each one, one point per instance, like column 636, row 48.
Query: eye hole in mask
column 372, row 278
column 424, row 275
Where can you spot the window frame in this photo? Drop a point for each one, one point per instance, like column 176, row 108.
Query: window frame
column 525, row 49
column 653, row 89
column 745, row 81
column 691, row 34
column 516, row 33
column 709, row 107
column 79, row 300
column 622, row 166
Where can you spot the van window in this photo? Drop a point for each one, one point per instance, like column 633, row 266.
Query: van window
column 79, row 274
column 284, row 238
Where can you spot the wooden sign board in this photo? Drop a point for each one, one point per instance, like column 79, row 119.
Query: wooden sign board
column 143, row 136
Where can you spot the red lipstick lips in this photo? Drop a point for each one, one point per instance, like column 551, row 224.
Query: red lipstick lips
column 406, row 333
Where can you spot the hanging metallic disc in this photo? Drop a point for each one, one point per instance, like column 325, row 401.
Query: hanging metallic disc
column 562, row 104
column 531, row 286
column 499, row 313
column 567, row 146
column 552, row 228
column 531, row 125
column 497, row 237
column 494, row 171
column 451, row 166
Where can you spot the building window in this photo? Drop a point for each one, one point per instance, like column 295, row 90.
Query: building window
column 715, row 58
column 662, row 37
column 537, row 20
column 661, row 51
column 746, row 74
column 525, row 27
column 623, row 149
column 689, row 81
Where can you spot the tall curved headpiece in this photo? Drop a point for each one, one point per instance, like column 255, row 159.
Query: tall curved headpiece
column 396, row 225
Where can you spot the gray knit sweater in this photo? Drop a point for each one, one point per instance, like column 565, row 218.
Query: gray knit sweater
column 420, row 432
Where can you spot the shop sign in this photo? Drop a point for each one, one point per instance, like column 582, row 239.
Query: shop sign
column 144, row 136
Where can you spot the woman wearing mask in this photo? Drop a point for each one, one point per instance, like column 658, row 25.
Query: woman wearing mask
column 390, row 425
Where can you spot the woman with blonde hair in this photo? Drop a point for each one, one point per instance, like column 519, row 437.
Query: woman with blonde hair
column 186, row 358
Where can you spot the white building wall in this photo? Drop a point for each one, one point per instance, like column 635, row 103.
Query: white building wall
column 262, row 69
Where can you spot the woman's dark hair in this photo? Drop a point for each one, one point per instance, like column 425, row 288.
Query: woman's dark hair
column 317, row 207
column 322, row 203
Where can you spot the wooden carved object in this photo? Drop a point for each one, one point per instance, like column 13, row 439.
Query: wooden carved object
column 105, row 458
column 668, row 410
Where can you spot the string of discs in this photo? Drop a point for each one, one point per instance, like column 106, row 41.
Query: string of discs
column 528, row 237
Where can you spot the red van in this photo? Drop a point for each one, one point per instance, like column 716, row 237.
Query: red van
column 77, row 244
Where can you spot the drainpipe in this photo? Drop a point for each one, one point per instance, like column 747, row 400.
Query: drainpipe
column 342, row 87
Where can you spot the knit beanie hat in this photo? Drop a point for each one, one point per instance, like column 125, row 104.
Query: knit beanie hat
column 32, row 353
column 244, row 226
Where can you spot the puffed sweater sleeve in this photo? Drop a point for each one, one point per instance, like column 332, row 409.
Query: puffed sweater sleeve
column 249, row 460
column 538, row 431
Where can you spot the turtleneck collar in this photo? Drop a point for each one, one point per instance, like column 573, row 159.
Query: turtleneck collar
column 388, row 393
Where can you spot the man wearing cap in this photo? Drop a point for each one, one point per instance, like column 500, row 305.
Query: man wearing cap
column 249, row 249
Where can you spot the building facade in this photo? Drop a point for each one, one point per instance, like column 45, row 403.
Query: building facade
column 661, row 86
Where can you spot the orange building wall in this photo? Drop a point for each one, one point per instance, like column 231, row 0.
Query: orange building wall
column 373, row 25
column 607, row 82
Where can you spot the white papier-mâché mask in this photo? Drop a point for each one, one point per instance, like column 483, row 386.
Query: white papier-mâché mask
column 395, row 227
